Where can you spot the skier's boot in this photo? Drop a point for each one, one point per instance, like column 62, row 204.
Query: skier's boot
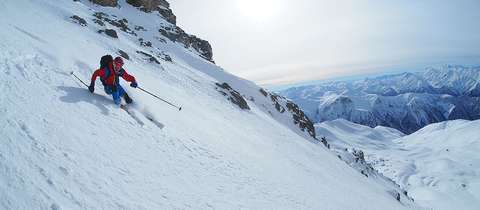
column 127, row 98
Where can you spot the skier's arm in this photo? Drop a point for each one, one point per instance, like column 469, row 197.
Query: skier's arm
column 128, row 77
column 97, row 73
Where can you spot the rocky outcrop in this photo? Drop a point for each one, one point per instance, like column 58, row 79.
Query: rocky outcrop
column 79, row 20
column 176, row 34
column 149, row 57
column 162, row 6
column 123, row 54
column 172, row 32
column 106, row 3
column 122, row 24
column 234, row 96
column 299, row 117
column 109, row 32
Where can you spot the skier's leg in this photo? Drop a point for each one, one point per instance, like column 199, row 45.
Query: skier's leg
column 124, row 94
column 116, row 97
column 121, row 91
column 127, row 98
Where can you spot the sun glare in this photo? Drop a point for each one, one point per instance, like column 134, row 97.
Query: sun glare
column 259, row 9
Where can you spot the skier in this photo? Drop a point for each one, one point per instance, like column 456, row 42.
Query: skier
column 110, row 72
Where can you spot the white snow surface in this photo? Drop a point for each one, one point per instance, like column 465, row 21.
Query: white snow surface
column 438, row 165
column 64, row 148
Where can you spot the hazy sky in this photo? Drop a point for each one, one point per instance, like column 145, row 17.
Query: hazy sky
column 286, row 41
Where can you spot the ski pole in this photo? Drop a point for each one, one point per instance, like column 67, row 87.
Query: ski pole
column 179, row 108
column 78, row 79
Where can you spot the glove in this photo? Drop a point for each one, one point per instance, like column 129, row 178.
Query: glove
column 134, row 84
column 91, row 88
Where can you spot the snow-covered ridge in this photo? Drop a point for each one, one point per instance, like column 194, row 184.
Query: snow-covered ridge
column 406, row 101
column 438, row 165
column 62, row 147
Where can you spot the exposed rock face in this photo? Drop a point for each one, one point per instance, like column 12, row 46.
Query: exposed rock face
column 178, row 35
column 172, row 32
column 124, row 54
column 149, row 57
column 162, row 6
column 233, row 95
column 299, row 117
column 175, row 34
column 122, row 24
column 109, row 32
column 79, row 20
column 106, row 3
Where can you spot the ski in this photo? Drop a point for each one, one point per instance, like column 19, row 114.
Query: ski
column 132, row 114
column 155, row 122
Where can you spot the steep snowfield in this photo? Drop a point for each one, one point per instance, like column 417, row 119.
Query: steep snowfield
column 64, row 148
column 406, row 102
column 438, row 165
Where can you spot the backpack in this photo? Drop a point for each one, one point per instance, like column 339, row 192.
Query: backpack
column 104, row 61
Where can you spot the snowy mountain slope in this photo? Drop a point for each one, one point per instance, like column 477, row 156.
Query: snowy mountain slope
column 437, row 165
column 406, row 102
column 64, row 148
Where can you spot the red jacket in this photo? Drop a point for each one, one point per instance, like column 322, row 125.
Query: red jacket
column 109, row 78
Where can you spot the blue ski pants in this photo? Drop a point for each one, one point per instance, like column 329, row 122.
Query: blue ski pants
column 117, row 95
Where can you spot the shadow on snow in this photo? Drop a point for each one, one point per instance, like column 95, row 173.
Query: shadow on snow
column 75, row 95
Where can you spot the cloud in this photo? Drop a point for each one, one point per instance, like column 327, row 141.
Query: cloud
column 318, row 39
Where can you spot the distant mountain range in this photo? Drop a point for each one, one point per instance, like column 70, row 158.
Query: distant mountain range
column 407, row 101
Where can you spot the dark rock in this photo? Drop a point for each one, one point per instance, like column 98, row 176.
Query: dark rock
column 264, row 92
column 124, row 54
column 277, row 105
column 106, row 3
column 79, row 20
column 359, row 156
column 162, row 6
column 145, row 44
column 233, row 95
column 121, row 24
column 174, row 33
column 140, row 28
column 325, row 142
column 178, row 35
column 99, row 22
column 301, row 119
column 161, row 40
column 110, row 32
column 150, row 58
column 164, row 56
column 168, row 15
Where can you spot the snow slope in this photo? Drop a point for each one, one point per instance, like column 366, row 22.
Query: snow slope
column 64, row 148
column 406, row 102
column 438, row 165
